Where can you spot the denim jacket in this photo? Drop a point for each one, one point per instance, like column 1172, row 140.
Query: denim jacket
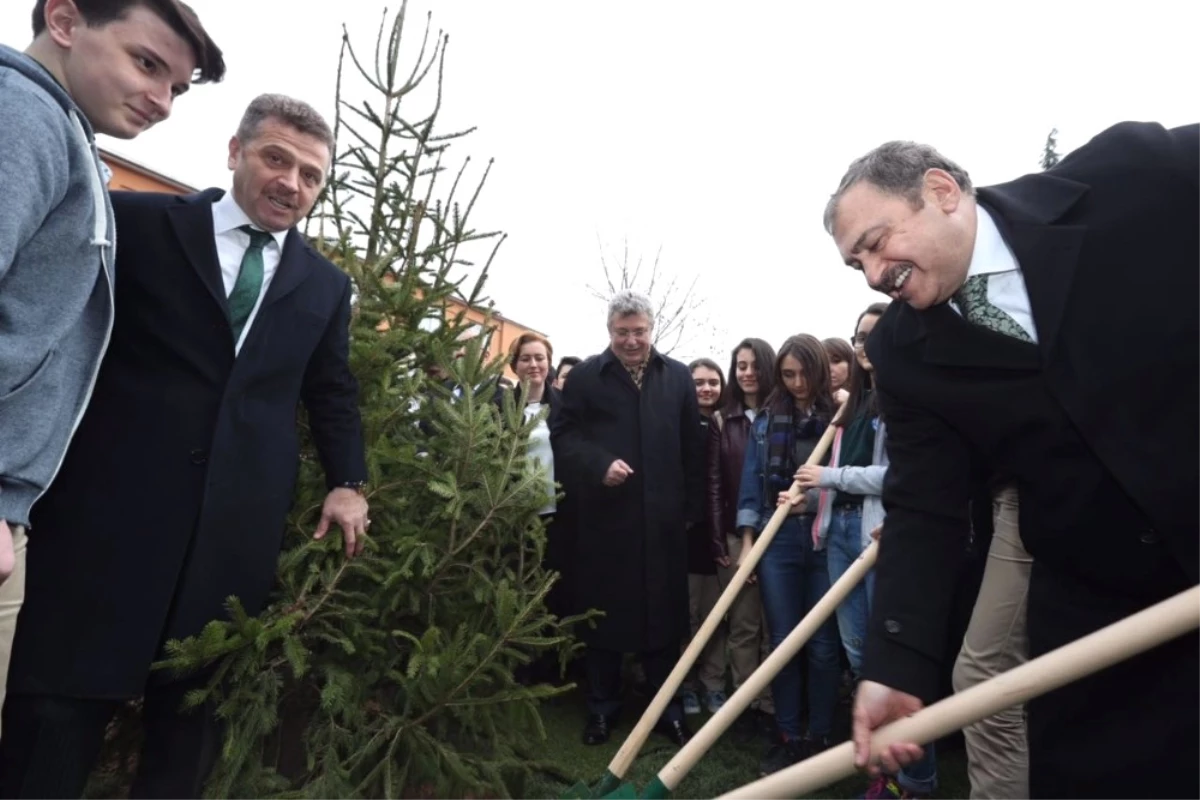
column 756, row 500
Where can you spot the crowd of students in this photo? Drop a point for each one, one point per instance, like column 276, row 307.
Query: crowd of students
column 758, row 429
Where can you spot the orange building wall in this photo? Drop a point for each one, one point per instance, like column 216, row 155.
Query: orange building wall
column 128, row 176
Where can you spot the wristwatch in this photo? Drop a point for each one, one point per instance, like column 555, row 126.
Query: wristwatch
column 358, row 486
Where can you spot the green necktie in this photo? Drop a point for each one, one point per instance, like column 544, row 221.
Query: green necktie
column 249, row 281
column 972, row 301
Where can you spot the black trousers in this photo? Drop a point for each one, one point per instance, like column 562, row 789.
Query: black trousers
column 50, row 743
column 604, row 679
column 1132, row 730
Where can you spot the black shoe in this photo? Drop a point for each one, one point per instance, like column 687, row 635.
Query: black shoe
column 756, row 724
column 781, row 755
column 675, row 730
column 597, row 730
column 766, row 727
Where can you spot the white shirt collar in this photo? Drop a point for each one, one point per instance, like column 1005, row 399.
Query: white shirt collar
column 228, row 217
column 991, row 254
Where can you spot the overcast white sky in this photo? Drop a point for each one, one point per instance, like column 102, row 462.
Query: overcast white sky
column 713, row 130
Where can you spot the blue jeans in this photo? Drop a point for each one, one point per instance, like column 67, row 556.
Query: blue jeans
column 844, row 544
column 792, row 577
column 920, row 777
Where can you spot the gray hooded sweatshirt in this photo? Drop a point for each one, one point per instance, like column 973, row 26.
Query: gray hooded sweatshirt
column 56, row 297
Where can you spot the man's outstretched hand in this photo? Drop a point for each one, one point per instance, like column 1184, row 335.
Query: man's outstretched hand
column 876, row 705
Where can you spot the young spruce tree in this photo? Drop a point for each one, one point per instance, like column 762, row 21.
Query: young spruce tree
column 392, row 675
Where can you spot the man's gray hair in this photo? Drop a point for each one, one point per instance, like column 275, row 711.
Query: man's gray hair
column 626, row 302
column 896, row 168
column 296, row 113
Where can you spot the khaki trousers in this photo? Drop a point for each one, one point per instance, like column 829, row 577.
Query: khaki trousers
column 12, row 595
column 995, row 642
column 749, row 643
column 703, row 591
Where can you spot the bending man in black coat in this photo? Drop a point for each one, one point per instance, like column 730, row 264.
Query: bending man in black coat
column 628, row 443
column 176, row 487
column 1047, row 331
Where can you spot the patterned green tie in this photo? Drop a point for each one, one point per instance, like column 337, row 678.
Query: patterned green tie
column 972, row 301
column 249, row 281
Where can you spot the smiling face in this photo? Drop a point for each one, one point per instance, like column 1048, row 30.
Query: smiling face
column 125, row 74
column 746, row 373
column 630, row 336
column 708, row 388
column 277, row 174
column 917, row 255
column 533, row 364
column 865, row 326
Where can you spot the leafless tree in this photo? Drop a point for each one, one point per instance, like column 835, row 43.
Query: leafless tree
column 678, row 310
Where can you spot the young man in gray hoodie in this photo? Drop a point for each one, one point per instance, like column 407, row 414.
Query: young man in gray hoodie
column 94, row 66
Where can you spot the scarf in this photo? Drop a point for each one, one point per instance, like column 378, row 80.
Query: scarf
column 637, row 372
column 782, row 432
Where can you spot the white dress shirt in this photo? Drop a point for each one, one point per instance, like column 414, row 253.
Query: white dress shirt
column 1006, row 285
column 232, row 244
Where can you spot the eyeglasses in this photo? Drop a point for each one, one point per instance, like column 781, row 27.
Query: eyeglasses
column 859, row 340
column 636, row 333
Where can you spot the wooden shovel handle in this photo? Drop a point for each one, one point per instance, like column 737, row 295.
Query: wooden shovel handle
column 678, row 767
column 637, row 737
column 1133, row 635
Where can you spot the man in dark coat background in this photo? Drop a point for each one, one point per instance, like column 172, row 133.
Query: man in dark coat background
column 175, row 489
column 628, row 441
column 1019, row 345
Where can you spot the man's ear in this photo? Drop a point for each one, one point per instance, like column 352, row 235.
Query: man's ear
column 63, row 22
column 942, row 190
column 235, row 149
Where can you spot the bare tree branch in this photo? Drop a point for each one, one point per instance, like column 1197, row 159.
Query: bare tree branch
column 679, row 310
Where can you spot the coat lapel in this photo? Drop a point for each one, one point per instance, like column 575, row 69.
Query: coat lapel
column 1026, row 212
column 192, row 222
column 295, row 264
column 1048, row 255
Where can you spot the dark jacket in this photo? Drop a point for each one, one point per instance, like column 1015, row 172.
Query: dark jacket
column 1100, row 441
column 725, row 457
column 700, row 535
column 176, row 487
column 632, row 549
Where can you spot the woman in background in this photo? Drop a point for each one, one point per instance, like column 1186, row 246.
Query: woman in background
column 793, row 574
column 752, row 382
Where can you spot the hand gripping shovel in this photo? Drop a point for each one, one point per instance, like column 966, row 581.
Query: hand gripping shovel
column 678, row 767
column 1136, row 634
column 610, row 784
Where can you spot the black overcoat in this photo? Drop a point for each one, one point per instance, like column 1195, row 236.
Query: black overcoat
column 631, row 553
column 1096, row 425
column 176, row 486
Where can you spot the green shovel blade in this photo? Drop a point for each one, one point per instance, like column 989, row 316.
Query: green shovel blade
column 608, row 783
column 656, row 790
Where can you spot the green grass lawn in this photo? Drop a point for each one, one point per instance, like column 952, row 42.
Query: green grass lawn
column 733, row 762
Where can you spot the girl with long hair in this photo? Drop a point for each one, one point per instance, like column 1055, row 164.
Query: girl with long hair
column 793, row 574
column 751, row 381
